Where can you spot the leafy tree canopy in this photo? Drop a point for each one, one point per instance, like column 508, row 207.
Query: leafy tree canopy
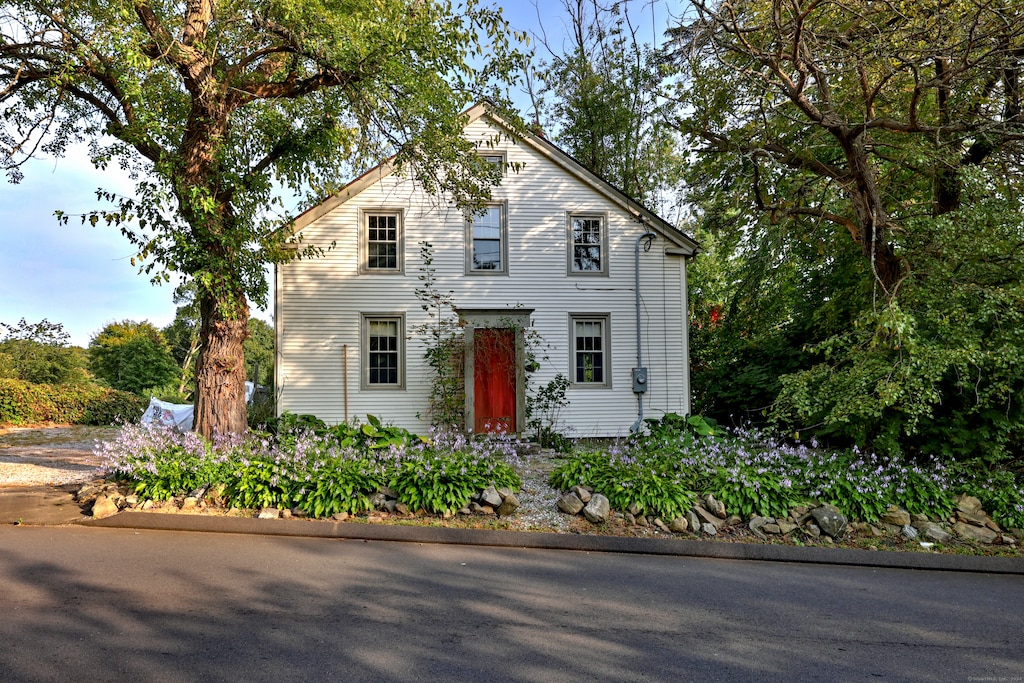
column 858, row 166
column 132, row 356
column 218, row 105
column 39, row 353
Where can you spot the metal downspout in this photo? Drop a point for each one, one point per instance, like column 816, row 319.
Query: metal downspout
column 650, row 237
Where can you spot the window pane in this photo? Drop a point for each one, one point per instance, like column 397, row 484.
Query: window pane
column 382, row 353
column 586, row 244
column 486, row 240
column 589, row 348
column 486, row 254
column 382, row 242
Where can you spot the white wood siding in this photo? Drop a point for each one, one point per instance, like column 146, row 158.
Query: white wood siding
column 320, row 301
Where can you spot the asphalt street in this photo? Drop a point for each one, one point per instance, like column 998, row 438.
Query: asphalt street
column 93, row 604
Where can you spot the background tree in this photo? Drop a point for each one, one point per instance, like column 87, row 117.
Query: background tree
column 259, row 353
column 218, row 104
column 39, row 353
column 599, row 95
column 132, row 357
column 862, row 160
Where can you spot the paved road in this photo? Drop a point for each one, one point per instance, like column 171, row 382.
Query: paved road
column 82, row 604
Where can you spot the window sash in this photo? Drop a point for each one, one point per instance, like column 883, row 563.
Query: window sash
column 382, row 241
column 383, row 355
column 589, row 350
column 587, row 244
column 486, row 240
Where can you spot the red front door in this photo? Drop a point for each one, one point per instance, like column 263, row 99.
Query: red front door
column 494, row 380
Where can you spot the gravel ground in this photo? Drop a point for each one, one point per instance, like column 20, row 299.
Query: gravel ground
column 49, row 456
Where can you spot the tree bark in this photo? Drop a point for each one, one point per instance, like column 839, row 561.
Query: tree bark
column 220, row 371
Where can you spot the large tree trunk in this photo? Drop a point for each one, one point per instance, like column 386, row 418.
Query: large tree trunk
column 220, row 372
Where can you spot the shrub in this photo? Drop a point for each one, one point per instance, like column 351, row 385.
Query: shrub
column 27, row 403
column 337, row 471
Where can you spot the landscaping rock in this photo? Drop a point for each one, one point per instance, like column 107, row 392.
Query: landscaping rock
column 286, row 514
column 104, row 506
column 917, row 518
column 490, row 496
column 709, row 529
column 388, row 492
column 661, row 525
column 771, row 528
column 909, row 532
column 641, row 520
column 298, row 512
column 570, row 504
column 733, row 520
column 597, row 510
column 813, row 529
column 508, row 505
column 632, row 508
column 269, row 513
column 830, row 520
column 679, row 525
column 403, row 509
column 979, row 534
column 378, row 500
column 965, row 503
column 708, row 517
column 975, row 518
column 896, row 516
column 582, row 493
column 340, row 516
column 934, row 532
column 756, row 523
column 715, row 507
column 786, row 527
column 693, row 520
column 189, row 503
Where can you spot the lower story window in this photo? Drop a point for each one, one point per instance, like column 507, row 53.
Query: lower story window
column 382, row 358
column 590, row 349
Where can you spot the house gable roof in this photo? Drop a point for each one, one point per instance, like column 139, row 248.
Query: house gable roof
column 684, row 244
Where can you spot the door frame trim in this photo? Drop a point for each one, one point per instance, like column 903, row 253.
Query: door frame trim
column 472, row 319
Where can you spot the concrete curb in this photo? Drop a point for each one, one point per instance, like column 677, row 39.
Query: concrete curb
column 550, row 541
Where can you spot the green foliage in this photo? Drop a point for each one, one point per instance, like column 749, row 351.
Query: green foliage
column 259, row 353
column 216, row 123
column 441, row 481
column 317, row 473
column 752, row 472
column 604, row 105
column 543, row 408
column 132, row 356
column 652, row 481
column 27, row 403
column 861, row 284
column 39, row 353
column 445, row 353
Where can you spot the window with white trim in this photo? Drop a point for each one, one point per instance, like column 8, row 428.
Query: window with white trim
column 588, row 244
column 382, row 242
column 487, row 241
column 383, row 351
column 590, row 358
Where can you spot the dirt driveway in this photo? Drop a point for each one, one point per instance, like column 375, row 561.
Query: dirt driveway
column 50, row 456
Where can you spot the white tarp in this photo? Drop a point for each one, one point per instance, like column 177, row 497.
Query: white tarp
column 179, row 416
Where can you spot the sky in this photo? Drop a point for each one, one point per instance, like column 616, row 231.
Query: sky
column 81, row 276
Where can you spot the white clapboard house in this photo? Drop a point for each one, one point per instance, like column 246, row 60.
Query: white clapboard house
column 598, row 278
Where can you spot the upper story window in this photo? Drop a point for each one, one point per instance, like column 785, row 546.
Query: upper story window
column 487, row 241
column 496, row 158
column 588, row 244
column 382, row 242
